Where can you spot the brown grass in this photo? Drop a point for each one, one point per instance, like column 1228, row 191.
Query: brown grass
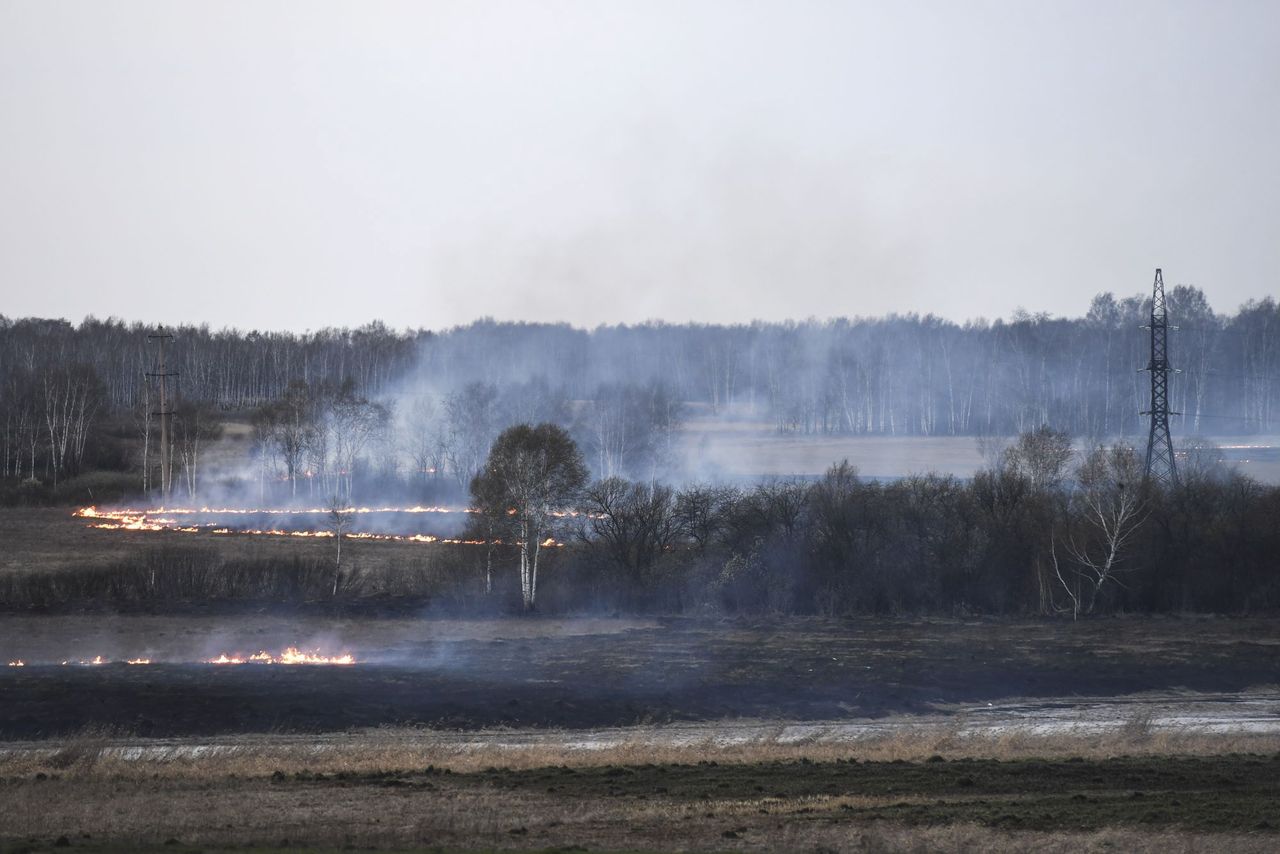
column 231, row 811
column 97, row 753
column 46, row 540
column 264, row 790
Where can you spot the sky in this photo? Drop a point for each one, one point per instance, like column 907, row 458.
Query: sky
column 311, row 164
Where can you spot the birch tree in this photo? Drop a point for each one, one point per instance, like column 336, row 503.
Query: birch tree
column 1108, row 510
column 338, row 522
column 530, row 474
column 193, row 425
column 70, row 398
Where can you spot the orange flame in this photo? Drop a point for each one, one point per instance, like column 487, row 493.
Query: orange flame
column 160, row 520
column 290, row 655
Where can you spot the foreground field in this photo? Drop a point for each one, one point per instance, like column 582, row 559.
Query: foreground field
column 1138, row 801
column 641, row 735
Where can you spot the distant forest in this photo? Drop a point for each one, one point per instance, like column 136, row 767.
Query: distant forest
column 75, row 398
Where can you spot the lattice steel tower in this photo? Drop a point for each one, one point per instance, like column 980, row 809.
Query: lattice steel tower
column 1161, row 466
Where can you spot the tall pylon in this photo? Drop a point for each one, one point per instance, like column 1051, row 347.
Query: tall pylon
column 1161, row 466
column 162, row 373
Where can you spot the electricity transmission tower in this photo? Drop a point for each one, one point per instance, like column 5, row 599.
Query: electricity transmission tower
column 1161, row 466
column 162, row 374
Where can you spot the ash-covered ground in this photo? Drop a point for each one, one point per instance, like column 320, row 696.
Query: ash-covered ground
column 453, row 674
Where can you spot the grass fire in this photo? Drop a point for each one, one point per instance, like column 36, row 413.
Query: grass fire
column 831, row 428
column 288, row 655
column 211, row 522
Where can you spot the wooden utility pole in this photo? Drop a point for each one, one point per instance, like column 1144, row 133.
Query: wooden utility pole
column 162, row 373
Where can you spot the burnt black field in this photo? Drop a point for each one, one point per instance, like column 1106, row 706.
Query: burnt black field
column 677, row 670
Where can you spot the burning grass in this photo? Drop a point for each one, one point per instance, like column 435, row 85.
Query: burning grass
column 214, row 521
column 54, row 562
column 289, row 655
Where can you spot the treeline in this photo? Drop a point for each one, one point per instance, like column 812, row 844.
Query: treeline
column 77, row 397
column 908, row 375
column 1040, row 532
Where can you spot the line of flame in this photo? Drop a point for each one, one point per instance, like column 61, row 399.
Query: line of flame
column 132, row 520
column 290, row 655
column 92, row 512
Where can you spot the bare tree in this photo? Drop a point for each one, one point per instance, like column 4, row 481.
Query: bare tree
column 193, row 425
column 1110, row 509
column 1200, row 459
column 1041, row 455
column 292, row 420
column 702, row 511
column 356, row 422
column 338, row 522
column 631, row 429
column 22, row 424
column 471, row 415
column 70, row 397
column 636, row 522
column 425, row 439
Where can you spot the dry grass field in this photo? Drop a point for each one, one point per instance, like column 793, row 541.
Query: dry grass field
column 48, row 539
column 377, row 791
column 54, row 561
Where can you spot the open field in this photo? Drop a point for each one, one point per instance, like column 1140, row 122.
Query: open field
column 753, row 449
column 745, row 447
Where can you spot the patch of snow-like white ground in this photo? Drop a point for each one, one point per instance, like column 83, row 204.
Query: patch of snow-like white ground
column 1250, row 713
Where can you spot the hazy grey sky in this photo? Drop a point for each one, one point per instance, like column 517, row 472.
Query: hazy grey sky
column 295, row 165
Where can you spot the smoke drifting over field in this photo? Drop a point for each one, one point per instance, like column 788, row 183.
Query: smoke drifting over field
column 706, row 403
column 378, row 416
